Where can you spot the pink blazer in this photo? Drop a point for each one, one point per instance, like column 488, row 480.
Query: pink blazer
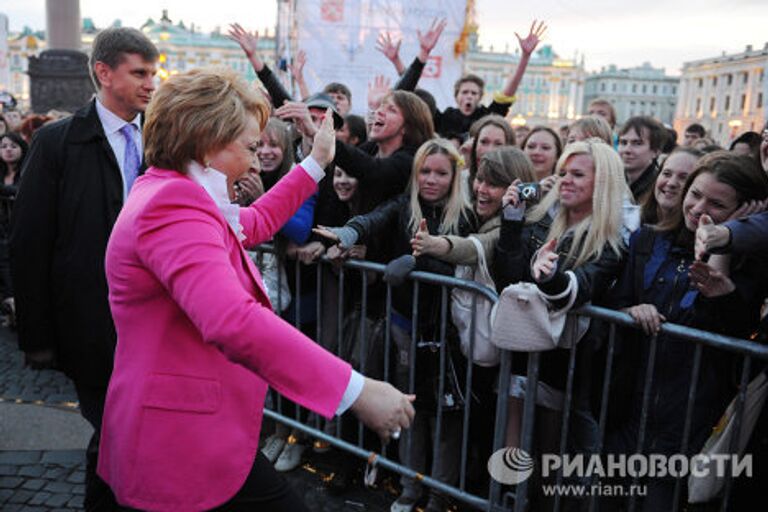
column 198, row 344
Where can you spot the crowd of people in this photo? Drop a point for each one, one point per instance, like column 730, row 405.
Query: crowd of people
column 598, row 212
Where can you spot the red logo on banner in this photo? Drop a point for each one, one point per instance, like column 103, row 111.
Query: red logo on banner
column 332, row 10
column 433, row 68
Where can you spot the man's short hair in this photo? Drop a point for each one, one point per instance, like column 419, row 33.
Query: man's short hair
column 697, row 129
column 337, row 88
column 657, row 134
column 468, row 78
column 607, row 104
column 112, row 44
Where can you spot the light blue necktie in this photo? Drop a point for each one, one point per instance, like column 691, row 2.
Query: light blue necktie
column 132, row 159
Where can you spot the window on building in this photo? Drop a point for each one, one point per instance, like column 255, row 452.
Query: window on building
column 701, row 83
column 655, row 88
column 674, row 90
column 727, row 106
column 602, row 87
column 634, row 87
column 746, row 77
column 743, row 101
column 729, row 78
column 714, row 81
column 720, row 128
column 712, row 104
column 759, row 100
column 645, row 88
column 698, row 104
column 613, row 87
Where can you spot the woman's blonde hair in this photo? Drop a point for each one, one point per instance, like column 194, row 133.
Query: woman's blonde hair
column 603, row 225
column 455, row 205
column 198, row 112
column 279, row 131
column 594, row 126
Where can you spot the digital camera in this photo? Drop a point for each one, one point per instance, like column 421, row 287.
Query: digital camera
column 529, row 192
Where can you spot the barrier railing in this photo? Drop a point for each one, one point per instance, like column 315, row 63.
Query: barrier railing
column 498, row 496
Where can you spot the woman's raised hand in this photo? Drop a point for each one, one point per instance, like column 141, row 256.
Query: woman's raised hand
column 546, row 261
column 709, row 236
column 512, row 195
column 324, row 146
column 424, row 243
column 248, row 41
column 528, row 45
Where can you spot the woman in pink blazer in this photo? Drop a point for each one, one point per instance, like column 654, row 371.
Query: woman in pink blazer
column 198, row 343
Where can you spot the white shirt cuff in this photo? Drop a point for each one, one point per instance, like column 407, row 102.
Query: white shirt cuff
column 313, row 168
column 354, row 388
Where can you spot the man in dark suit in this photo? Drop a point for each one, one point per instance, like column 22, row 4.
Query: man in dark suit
column 74, row 181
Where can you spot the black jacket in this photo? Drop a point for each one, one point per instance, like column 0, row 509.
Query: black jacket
column 390, row 220
column 70, row 195
column 451, row 121
column 380, row 178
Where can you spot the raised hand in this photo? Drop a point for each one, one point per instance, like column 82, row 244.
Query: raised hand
column 297, row 66
column 748, row 208
column 710, row 281
column 512, row 195
column 546, row 260
column 647, row 316
column 547, row 183
column 424, row 243
column 388, row 47
column 298, row 113
column 528, row 45
column 377, row 90
column 428, row 40
column 324, row 145
column 248, row 189
column 248, row 41
column 709, row 236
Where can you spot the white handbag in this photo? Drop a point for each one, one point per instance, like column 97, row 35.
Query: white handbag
column 524, row 319
column 708, row 484
column 275, row 280
column 485, row 353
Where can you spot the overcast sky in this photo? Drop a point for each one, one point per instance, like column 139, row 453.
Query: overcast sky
column 627, row 33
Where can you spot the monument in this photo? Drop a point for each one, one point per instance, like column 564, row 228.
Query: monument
column 59, row 77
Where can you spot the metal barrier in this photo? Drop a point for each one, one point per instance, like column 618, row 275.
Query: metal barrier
column 498, row 497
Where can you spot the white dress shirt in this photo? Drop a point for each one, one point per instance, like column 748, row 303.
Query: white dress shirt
column 112, row 124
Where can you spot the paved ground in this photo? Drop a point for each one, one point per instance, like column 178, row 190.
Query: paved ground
column 43, row 437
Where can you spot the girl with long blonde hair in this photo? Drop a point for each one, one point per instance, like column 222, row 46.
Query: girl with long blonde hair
column 575, row 228
column 435, row 204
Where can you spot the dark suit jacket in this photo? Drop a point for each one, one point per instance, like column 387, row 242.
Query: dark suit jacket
column 68, row 201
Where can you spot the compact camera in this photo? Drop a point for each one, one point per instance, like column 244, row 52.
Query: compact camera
column 529, row 192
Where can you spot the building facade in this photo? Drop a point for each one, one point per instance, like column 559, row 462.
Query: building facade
column 181, row 48
column 724, row 94
column 638, row 91
column 551, row 91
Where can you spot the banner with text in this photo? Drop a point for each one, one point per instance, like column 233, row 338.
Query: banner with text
column 339, row 38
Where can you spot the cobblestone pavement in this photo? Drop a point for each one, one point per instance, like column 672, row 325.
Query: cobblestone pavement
column 53, row 480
